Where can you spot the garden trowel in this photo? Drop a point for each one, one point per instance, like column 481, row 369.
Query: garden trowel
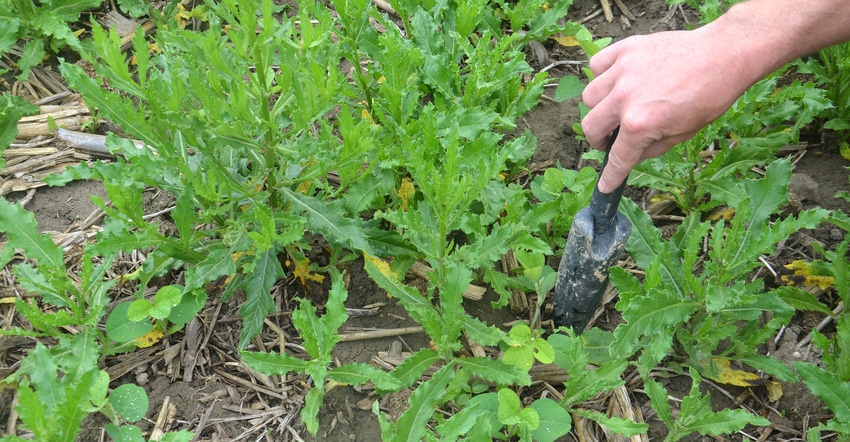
column 595, row 242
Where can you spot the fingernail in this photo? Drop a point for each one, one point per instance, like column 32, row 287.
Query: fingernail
column 603, row 186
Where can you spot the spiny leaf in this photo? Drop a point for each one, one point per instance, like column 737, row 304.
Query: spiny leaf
column 273, row 363
column 259, row 302
column 359, row 374
column 327, row 219
column 411, row 425
column 494, row 370
column 828, row 388
column 20, row 226
column 415, row 366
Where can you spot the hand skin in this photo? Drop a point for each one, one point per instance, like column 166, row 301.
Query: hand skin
column 662, row 88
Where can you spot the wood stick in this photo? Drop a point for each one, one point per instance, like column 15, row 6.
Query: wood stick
column 606, row 8
column 375, row 334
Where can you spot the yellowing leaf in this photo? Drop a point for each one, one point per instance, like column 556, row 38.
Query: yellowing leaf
column 774, row 391
column 568, row 41
column 724, row 212
column 366, row 115
column 303, row 187
column 803, row 273
column 844, row 150
column 730, row 376
column 8, row 300
column 382, row 266
column 302, row 271
column 406, row 192
column 660, row 197
column 150, row 338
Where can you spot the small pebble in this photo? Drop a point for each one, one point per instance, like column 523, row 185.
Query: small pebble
column 797, row 355
column 142, row 379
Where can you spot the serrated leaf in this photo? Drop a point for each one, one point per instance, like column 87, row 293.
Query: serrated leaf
column 828, row 388
column 328, row 220
column 259, row 302
column 616, row 424
column 482, row 333
column 359, row 374
column 12, row 108
column 650, row 315
column 411, row 425
column 495, row 371
column 417, row 306
column 273, row 363
column 22, row 231
column 801, row 300
column 310, row 412
column 415, row 366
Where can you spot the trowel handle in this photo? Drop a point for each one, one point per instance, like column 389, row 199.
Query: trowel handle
column 604, row 205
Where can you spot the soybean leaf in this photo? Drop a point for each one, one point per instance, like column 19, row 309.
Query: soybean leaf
column 129, row 401
column 555, row 420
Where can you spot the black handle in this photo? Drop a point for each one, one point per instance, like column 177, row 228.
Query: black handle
column 604, row 205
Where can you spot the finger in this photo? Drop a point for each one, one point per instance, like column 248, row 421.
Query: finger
column 626, row 152
column 598, row 124
column 598, row 89
column 604, row 59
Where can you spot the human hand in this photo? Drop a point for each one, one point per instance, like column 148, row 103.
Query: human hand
column 660, row 89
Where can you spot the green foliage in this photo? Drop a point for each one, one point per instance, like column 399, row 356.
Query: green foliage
column 836, row 351
column 11, row 110
column 762, row 120
column 706, row 304
column 44, row 25
column 695, row 414
column 831, row 69
column 833, row 392
column 320, row 336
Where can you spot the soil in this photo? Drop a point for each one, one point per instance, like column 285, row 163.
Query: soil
column 225, row 400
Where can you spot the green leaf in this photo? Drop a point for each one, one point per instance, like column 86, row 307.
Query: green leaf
column 33, row 53
column 658, row 396
column 801, row 300
column 259, row 302
column 555, row 420
column 652, row 315
column 12, row 108
column 616, row 424
column 482, row 333
column 495, row 371
column 274, row 363
column 121, row 329
column 22, row 231
column 569, row 87
column 359, row 374
column 828, row 388
column 328, row 220
column 129, row 401
column 509, row 407
column 411, row 425
column 310, row 412
column 415, row 366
